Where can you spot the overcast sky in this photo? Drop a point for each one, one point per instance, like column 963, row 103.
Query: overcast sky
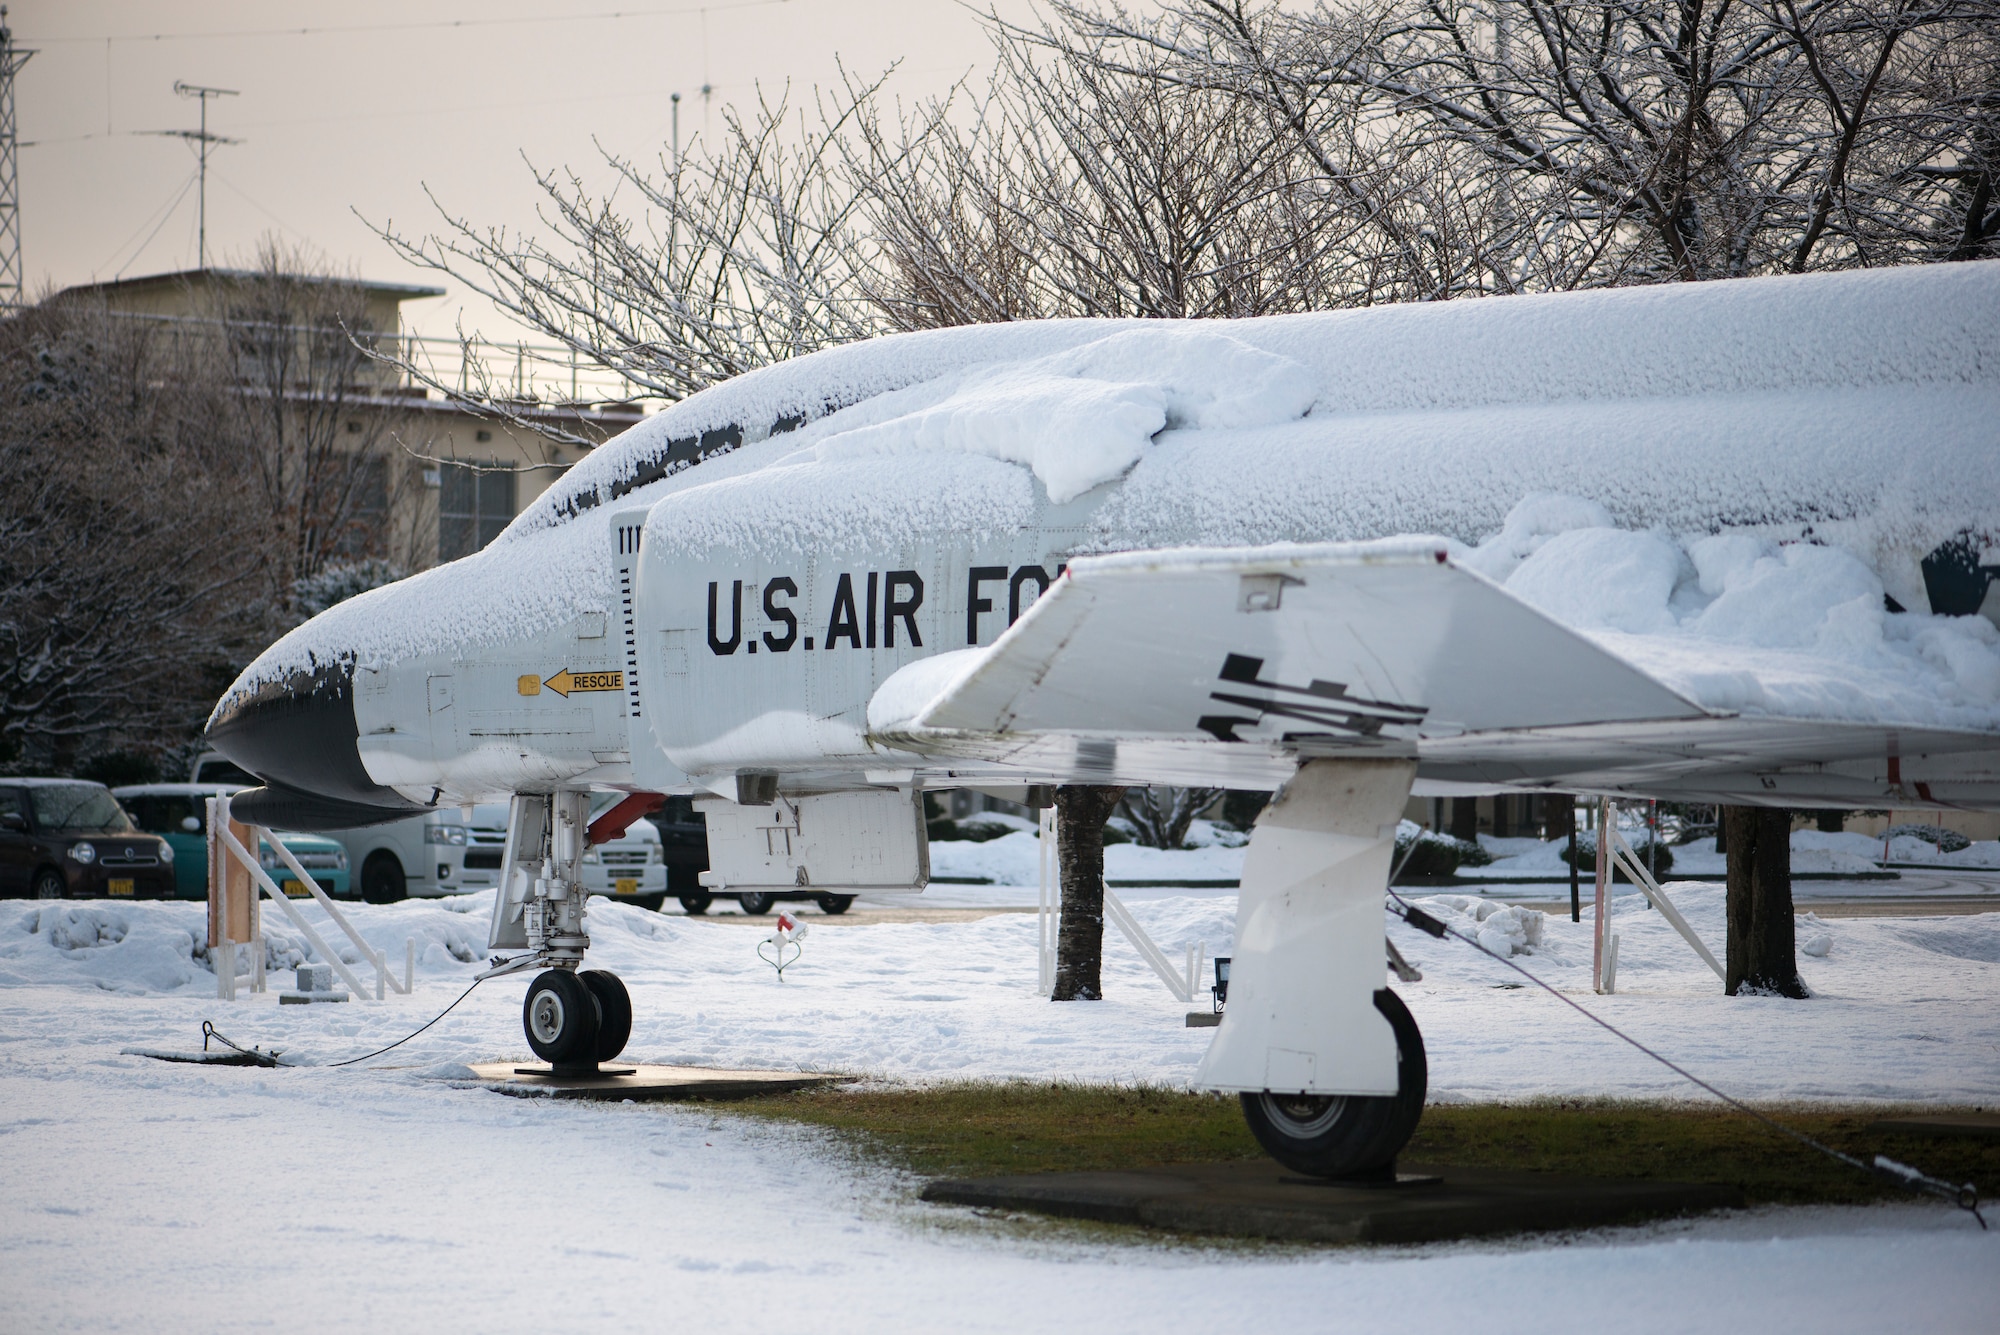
column 384, row 97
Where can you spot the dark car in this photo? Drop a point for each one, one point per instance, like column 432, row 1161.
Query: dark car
column 65, row 838
column 684, row 842
column 684, row 845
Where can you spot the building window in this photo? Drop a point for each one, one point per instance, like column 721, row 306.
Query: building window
column 475, row 501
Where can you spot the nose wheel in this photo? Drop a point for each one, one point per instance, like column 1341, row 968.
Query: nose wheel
column 575, row 1020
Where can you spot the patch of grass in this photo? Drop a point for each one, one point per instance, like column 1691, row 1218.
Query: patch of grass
column 987, row 1129
column 1697, row 1144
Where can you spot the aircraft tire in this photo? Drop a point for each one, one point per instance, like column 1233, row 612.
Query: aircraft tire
column 1351, row 1136
column 382, row 880
column 559, row 1015
column 614, row 1012
column 756, row 902
column 835, row 904
column 696, row 905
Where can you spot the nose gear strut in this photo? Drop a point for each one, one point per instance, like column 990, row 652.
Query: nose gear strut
column 574, row 1018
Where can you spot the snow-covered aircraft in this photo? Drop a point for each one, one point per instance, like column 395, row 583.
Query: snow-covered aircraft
column 1737, row 541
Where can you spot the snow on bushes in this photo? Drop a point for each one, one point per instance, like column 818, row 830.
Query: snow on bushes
column 1505, row 929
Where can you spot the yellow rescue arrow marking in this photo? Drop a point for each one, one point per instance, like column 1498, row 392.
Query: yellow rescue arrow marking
column 566, row 681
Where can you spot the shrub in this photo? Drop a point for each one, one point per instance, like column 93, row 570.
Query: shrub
column 1948, row 840
column 1586, row 856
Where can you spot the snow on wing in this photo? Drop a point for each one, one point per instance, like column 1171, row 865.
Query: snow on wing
column 1353, row 646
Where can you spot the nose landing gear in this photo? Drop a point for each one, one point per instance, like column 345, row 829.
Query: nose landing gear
column 574, row 1017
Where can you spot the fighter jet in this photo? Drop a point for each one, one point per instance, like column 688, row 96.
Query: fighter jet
column 1726, row 542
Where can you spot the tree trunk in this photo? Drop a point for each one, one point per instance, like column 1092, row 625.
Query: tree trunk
column 1465, row 819
column 1760, row 954
column 1081, row 811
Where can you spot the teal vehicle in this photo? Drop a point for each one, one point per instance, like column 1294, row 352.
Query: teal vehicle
column 178, row 813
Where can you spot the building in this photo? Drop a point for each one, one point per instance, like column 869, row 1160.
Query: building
column 441, row 480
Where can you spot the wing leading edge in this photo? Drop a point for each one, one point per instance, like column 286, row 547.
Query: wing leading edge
column 1231, row 665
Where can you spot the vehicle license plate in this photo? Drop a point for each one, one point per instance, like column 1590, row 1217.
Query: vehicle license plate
column 293, row 890
column 626, row 885
column 120, row 885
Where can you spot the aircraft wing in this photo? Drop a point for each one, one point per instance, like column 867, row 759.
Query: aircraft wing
column 1229, row 666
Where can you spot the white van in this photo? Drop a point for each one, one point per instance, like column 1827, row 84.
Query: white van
column 442, row 853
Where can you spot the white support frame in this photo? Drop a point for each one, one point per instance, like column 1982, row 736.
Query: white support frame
column 1628, row 858
column 384, row 980
column 1181, row 987
column 1047, row 905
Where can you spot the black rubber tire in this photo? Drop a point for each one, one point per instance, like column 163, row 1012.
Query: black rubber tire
column 756, row 902
column 1353, row 1136
column 49, row 884
column 650, row 902
column 560, row 1017
column 382, row 879
column 614, row 1012
column 696, row 905
column 835, row 904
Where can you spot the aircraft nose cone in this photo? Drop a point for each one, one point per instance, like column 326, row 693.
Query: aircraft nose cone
column 299, row 736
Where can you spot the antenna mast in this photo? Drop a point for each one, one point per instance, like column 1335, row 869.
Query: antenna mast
column 203, row 138
column 11, row 275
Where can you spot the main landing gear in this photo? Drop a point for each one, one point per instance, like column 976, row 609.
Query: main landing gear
column 1328, row 1063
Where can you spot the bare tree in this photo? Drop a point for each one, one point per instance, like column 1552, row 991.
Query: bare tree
column 1760, row 954
column 130, row 545
column 719, row 262
column 309, row 409
column 1095, row 183
column 1162, row 815
column 1617, row 142
column 1081, row 811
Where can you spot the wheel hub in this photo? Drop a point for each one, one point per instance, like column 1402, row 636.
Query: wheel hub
column 545, row 1017
column 1305, row 1114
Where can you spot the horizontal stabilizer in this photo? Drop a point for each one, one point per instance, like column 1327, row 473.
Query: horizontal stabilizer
column 1373, row 646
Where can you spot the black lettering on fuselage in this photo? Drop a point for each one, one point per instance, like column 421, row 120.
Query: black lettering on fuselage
column 906, row 608
column 873, row 607
column 778, row 612
column 1022, row 576
column 974, row 603
column 716, row 644
column 844, row 622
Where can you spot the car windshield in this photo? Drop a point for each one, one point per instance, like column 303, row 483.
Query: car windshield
column 223, row 771
column 162, row 813
column 77, row 808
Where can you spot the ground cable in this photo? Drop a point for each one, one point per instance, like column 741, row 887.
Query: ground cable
column 1965, row 1197
column 425, row 1025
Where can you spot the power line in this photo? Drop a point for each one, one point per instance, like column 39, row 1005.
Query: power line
column 603, row 16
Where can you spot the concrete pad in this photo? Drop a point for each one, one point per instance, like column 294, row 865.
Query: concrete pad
column 1971, row 1125
column 621, row 1080
column 1260, row 1199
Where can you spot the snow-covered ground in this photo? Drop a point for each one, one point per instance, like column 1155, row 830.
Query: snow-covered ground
column 144, row 1195
column 1013, row 860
